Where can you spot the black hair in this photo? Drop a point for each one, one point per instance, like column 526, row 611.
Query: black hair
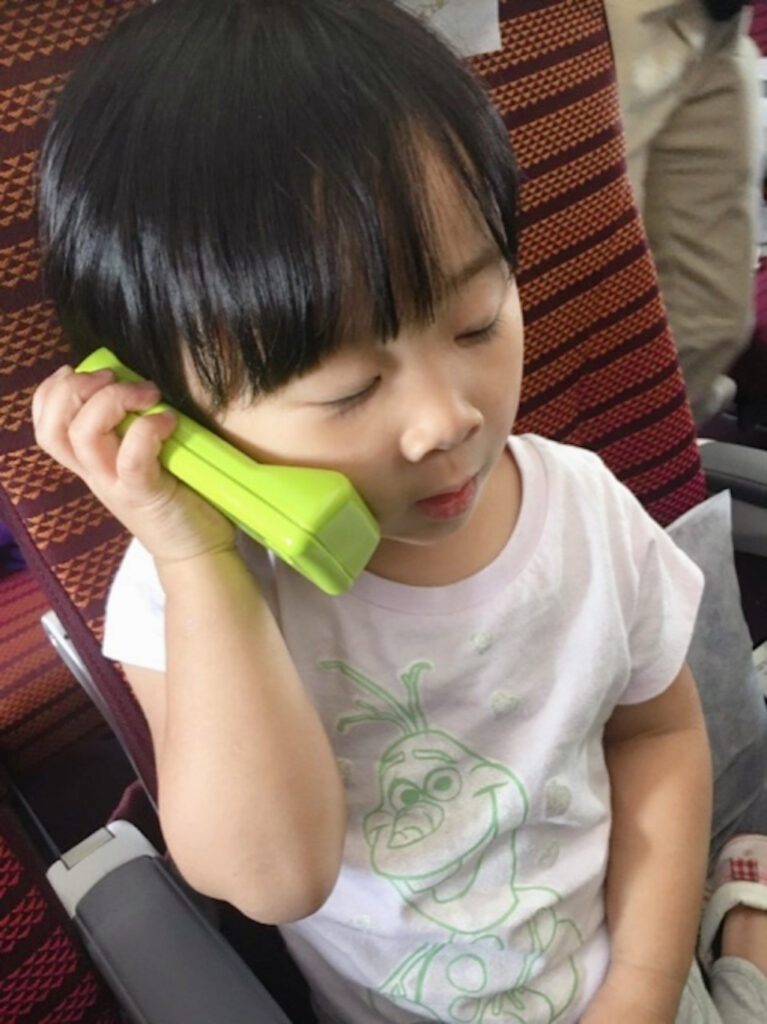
column 233, row 183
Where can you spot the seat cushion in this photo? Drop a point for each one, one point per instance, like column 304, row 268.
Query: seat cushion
column 43, row 710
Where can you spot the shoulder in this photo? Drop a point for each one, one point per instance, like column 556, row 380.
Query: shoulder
column 567, row 460
column 588, row 510
column 576, row 478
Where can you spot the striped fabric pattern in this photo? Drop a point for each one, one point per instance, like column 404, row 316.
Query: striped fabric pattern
column 600, row 368
column 46, row 977
column 71, row 545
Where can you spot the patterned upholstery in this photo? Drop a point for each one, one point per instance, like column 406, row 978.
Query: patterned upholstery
column 759, row 27
column 600, row 368
column 70, row 543
column 43, row 711
column 46, row 977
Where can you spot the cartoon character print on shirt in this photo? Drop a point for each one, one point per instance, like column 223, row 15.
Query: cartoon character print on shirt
column 444, row 836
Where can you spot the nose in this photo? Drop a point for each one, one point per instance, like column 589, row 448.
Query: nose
column 440, row 418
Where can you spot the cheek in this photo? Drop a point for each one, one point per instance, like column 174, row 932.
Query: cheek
column 279, row 440
column 374, row 486
column 504, row 384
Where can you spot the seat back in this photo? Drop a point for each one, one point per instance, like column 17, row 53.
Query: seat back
column 71, row 545
column 46, row 975
column 601, row 370
column 600, row 366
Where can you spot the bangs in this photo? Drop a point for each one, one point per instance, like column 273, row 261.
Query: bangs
column 243, row 187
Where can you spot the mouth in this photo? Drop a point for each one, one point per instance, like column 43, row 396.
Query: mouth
column 449, row 504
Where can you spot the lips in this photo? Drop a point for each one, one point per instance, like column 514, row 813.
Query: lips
column 449, row 504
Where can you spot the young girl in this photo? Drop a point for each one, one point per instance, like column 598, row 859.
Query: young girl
column 476, row 786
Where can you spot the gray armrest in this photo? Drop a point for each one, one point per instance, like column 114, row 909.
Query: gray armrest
column 742, row 471
column 736, row 468
column 161, row 957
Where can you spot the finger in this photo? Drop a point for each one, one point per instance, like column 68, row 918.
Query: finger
column 43, row 391
column 137, row 465
column 66, row 381
column 92, row 435
column 55, row 404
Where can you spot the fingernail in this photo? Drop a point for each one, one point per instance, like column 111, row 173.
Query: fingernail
column 168, row 416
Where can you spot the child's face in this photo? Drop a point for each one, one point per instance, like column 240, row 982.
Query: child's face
column 418, row 424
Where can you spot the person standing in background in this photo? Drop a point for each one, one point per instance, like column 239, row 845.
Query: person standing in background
column 688, row 84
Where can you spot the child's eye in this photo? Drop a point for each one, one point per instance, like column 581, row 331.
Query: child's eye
column 349, row 402
column 485, row 333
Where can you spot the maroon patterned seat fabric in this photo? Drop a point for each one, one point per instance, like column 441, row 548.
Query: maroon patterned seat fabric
column 759, row 27
column 43, row 711
column 45, row 975
column 70, row 543
column 600, row 368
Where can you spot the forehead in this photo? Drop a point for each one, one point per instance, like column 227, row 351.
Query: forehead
column 457, row 227
column 458, row 241
column 452, row 237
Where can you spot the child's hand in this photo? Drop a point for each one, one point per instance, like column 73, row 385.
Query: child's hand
column 75, row 416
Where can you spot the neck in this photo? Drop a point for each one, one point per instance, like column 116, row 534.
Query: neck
column 475, row 545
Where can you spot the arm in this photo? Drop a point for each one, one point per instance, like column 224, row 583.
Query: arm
column 251, row 802
column 250, row 798
column 660, row 771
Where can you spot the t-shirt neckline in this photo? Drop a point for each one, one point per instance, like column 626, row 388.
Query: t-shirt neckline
column 487, row 582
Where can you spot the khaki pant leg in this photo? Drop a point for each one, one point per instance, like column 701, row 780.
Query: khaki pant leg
column 652, row 62
column 689, row 96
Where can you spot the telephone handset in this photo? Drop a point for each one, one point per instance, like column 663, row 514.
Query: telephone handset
column 311, row 518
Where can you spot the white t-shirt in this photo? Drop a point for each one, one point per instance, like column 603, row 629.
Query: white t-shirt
column 467, row 721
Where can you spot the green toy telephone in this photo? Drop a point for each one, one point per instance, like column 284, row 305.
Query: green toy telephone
column 313, row 519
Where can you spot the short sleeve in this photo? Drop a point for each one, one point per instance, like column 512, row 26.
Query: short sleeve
column 134, row 631
column 668, row 592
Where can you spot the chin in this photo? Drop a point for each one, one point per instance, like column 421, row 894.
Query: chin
column 432, row 532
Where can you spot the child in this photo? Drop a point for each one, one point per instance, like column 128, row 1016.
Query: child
column 475, row 787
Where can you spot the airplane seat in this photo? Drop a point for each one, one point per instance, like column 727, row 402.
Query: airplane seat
column 47, row 725
column 601, row 372
column 45, row 973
